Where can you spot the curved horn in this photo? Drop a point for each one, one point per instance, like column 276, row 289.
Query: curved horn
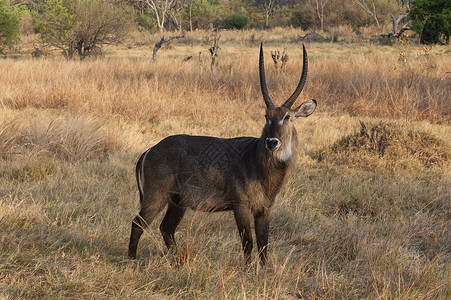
column 263, row 87
column 301, row 83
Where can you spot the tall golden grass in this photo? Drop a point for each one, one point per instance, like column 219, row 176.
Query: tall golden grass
column 358, row 79
column 71, row 132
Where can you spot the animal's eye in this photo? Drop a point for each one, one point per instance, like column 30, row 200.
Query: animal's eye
column 268, row 120
column 287, row 118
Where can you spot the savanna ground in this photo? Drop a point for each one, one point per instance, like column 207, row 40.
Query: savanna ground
column 366, row 214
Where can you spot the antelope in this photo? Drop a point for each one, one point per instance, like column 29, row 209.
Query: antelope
column 242, row 174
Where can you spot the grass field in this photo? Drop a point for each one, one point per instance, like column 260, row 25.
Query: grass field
column 354, row 222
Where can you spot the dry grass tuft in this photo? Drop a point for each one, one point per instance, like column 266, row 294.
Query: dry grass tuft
column 65, row 137
column 389, row 142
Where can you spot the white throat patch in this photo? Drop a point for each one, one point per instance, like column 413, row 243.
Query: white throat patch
column 285, row 154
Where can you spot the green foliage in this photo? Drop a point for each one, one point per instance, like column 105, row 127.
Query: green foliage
column 9, row 26
column 301, row 18
column 145, row 21
column 235, row 21
column 431, row 19
column 337, row 13
column 56, row 22
column 252, row 10
column 82, row 26
column 205, row 13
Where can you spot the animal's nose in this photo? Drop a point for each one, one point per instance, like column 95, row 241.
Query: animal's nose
column 272, row 143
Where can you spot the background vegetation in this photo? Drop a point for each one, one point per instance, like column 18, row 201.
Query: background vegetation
column 83, row 27
column 366, row 214
column 9, row 26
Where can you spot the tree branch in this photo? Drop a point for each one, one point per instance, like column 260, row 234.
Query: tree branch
column 162, row 41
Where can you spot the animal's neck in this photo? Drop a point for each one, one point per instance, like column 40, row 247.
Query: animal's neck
column 274, row 169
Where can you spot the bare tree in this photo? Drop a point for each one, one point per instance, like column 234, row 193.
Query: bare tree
column 165, row 11
column 161, row 42
column 276, row 57
column 318, row 6
column 405, row 3
column 401, row 20
column 190, row 15
column 214, row 49
column 405, row 25
column 371, row 11
column 174, row 11
column 269, row 7
column 160, row 8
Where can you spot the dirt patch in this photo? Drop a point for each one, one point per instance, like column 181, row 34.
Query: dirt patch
column 387, row 142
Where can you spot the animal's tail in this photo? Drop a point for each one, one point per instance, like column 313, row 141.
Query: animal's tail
column 140, row 174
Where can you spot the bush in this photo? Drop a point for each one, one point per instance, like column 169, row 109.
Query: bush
column 204, row 14
column 236, row 21
column 9, row 26
column 82, row 26
column 145, row 21
column 300, row 18
column 431, row 19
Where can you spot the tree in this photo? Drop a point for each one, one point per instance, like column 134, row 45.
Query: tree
column 371, row 11
column 190, row 14
column 160, row 9
column 82, row 26
column 9, row 26
column 235, row 21
column 431, row 19
column 166, row 10
column 405, row 3
column 319, row 6
column 201, row 14
column 269, row 7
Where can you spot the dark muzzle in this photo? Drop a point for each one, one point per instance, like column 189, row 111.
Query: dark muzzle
column 272, row 144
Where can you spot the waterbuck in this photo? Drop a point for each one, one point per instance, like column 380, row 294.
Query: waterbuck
column 243, row 174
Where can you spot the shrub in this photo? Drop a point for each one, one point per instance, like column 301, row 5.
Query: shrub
column 301, row 19
column 145, row 21
column 9, row 26
column 389, row 143
column 204, row 13
column 431, row 19
column 236, row 21
column 82, row 26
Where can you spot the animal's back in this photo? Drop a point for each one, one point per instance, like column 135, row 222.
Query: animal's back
column 204, row 152
column 206, row 172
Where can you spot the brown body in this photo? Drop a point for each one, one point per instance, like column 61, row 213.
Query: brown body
column 243, row 174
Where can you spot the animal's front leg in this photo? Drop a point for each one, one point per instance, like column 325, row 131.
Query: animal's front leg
column 243, row 221
column 262, row 232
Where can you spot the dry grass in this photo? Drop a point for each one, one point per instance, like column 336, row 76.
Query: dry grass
column 391, row 144
column 71, row 132
column 358, row 79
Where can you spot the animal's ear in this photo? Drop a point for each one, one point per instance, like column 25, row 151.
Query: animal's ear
column 305, row 109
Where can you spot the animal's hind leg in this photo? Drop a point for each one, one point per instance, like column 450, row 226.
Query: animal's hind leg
column 170, row 221
column 138, row 226
column 141, row 221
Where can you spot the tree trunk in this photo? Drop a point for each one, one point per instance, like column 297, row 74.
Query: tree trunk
column 161, row 42
column 318, row 7
column 214, row 50
column 190, row 16
column 372, row 13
